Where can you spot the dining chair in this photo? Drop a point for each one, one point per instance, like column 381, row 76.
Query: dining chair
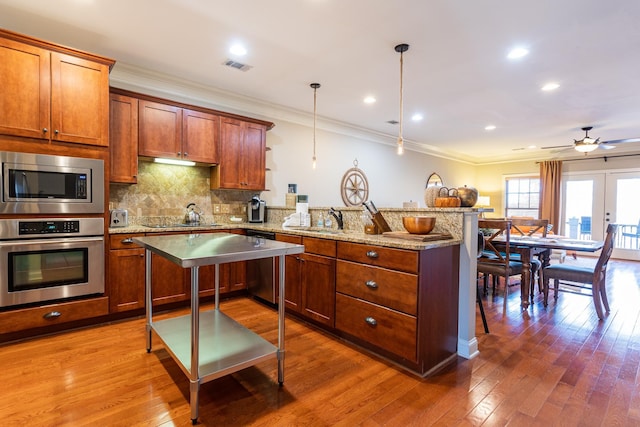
column 496, row 260
column 530, row 227
column 478, row 297
column 593, row 277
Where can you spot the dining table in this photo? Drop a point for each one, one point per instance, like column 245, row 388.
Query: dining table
column 530, row 246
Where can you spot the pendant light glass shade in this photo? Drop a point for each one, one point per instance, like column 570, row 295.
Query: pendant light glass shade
column 401, row 48
column 315, row 87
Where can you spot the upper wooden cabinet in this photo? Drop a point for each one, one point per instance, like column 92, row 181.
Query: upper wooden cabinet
column 123, row 138
column 52, row 93
column 242, row 156
column 173, row 132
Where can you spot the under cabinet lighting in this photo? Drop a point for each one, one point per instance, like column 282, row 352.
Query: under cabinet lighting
column 174, row 162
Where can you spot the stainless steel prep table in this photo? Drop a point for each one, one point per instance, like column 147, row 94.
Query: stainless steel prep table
column 218, row 345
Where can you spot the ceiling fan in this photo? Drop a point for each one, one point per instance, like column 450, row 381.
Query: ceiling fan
column 588, row 144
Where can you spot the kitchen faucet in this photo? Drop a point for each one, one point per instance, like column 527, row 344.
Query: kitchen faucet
column 338, row 217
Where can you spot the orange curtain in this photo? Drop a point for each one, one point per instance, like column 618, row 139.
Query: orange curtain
column 550, row 185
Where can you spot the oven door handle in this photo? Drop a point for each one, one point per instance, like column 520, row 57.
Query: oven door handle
column 53, row 241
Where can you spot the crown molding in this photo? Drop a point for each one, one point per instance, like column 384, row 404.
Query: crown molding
column 136, row 79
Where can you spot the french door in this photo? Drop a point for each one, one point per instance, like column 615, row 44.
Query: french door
column 591, row 201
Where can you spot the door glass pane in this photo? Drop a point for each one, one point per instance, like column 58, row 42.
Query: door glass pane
column 578, row 209
column 628, row 213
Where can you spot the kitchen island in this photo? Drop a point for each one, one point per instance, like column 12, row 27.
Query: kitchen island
column 218, row 345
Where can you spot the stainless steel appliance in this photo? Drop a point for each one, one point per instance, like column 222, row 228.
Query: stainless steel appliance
column 256, row 210
column 40, row 183
column 261, row 279
column 118, row 218
column 50, row 259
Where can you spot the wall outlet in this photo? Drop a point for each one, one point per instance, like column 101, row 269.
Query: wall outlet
column 244, row 209
column 216, row 208
column 225, row 209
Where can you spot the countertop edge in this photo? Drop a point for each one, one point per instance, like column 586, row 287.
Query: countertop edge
column 348, row 236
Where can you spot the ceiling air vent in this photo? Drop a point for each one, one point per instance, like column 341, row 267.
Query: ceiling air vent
column 237, row 65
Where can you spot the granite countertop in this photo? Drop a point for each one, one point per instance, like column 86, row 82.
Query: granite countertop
column 332, row 234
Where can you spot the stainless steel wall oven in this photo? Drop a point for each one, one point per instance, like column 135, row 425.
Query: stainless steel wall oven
column 50, row 259
column 40, row 183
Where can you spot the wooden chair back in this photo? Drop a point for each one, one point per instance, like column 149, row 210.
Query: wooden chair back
column 529, row 226
column 600, row 270
column 495, row 228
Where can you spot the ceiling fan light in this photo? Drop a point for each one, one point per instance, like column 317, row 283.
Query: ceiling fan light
column 585, row 147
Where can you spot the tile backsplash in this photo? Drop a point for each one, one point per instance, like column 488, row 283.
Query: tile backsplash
column 165, row 190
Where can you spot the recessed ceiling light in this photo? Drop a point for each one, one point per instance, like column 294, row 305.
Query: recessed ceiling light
column 238, row 49
column 531, row 147
column 489, row 127
column 550, row 86
column 417, row 117
column 517, row 53
column 369, row 100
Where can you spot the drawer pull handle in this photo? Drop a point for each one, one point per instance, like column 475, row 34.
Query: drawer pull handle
column 371, row 284
column 127, row 240
column 372, row 254
column 371, row 321
column 52, row 315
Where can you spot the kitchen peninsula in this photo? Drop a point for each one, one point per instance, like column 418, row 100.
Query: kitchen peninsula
column 396, row 298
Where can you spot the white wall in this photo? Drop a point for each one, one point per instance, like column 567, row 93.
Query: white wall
column 393, row 179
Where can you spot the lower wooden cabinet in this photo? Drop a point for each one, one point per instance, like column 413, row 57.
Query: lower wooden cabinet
column 385, row 328
column 169, row 283
column 125, row 280
column 53, row 314
column 400, row 303
column 233, row 275
column 310, row 285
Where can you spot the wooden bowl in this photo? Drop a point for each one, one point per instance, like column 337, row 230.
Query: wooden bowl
column 418, row 224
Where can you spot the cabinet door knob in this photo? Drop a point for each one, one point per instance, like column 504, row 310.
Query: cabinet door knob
column 45, row 130
column 179, row 153
column 56, row 131
column 372, row 254
column 371, row 321
column 186, row 154
column 371, row 284
column 52, row 315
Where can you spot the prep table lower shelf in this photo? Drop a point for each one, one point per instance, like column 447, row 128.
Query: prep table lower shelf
column 225, row 345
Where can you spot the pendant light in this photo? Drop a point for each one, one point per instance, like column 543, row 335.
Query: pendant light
column 401, row 48
column 315, row 87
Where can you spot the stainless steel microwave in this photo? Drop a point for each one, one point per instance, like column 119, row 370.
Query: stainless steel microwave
column 40, row 183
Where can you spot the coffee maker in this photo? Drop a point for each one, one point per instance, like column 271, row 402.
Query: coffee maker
column 257, row 210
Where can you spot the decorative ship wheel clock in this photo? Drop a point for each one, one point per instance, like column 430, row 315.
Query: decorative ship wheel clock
column 355, row 187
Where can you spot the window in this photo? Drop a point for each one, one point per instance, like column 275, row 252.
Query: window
column 522, row 196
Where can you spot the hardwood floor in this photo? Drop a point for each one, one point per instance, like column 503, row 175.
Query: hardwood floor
column 554, row 366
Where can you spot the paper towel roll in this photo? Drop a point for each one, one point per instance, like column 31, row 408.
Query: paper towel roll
column 302, row 208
